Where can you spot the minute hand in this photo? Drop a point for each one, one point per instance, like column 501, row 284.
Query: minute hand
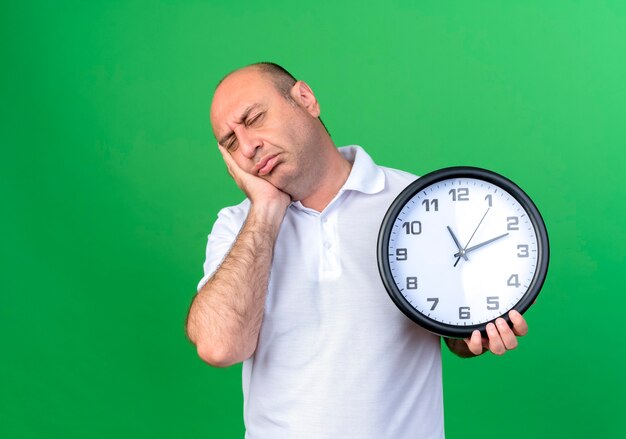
column 477, row 246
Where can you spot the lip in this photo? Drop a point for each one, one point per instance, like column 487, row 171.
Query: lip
column 266, row 164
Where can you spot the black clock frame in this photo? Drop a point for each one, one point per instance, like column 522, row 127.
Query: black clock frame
column 543, row 250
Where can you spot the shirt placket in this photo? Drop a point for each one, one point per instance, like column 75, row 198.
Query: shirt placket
column 330, row 264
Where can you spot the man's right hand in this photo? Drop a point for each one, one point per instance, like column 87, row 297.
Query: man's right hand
column 225, row 316
column 260, row 192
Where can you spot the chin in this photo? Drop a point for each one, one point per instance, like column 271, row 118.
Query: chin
column 277, row 180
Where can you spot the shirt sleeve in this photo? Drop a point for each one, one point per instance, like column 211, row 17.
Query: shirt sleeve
column 222, row 236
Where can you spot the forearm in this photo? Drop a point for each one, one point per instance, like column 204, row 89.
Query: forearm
column 225, row 317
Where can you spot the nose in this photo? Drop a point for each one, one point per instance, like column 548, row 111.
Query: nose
column 248, row 142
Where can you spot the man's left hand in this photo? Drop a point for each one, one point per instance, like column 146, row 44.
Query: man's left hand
column 500, row 336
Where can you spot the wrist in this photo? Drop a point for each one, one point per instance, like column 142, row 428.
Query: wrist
column 460, row 348
column 266, row 217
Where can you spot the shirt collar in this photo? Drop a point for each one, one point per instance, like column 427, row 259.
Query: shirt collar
column 364, row 176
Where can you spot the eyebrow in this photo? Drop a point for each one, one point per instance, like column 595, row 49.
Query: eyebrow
column 243, row 117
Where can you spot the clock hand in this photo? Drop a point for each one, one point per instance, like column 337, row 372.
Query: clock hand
column 474, row 247
column 470, row 240
column 458, row 245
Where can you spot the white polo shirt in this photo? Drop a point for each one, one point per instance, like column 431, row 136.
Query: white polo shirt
column 335, row 357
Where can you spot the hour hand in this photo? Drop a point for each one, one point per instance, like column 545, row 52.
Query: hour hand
column 474, row 247
column 458, row 245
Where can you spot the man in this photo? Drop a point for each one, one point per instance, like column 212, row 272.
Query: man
column 291, row 286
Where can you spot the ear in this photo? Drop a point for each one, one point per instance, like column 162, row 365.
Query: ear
column 303, row 95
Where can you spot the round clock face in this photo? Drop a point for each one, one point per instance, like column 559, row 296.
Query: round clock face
column 461, row 247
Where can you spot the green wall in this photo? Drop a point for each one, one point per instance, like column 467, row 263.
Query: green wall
column 111, row 181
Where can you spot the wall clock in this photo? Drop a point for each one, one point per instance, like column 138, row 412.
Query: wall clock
column 460, row 247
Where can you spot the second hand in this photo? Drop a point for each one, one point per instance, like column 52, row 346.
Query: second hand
column 462, row 252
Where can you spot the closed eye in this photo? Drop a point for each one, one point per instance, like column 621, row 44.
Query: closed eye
column 254, row 120
column 231, row 143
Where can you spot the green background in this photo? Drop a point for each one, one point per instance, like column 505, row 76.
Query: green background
column 111, row 181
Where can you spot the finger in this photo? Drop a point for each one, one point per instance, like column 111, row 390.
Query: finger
column 235, row 171
column 520, row 327
column 496, row 346
column 230, row 163
column 474, row 343
column 506, row 334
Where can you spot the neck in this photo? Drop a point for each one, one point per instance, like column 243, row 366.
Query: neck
column 332, row 178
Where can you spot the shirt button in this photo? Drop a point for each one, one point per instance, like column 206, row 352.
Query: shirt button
column 327, row 245
column 324, row 219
